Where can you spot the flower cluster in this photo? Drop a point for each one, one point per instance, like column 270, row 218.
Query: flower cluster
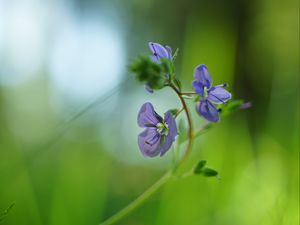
column 210, row 94
column 157, row 71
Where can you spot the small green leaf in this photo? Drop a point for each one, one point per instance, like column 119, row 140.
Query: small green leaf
column 177, row 83
column 231, row 106
column 175, row 54
column 174, row 112
column 207, row 172
column 197, row 98
column 199, row 166
column 202, row 170
column 234, row 104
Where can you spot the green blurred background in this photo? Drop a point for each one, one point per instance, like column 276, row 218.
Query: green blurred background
column 68, row 107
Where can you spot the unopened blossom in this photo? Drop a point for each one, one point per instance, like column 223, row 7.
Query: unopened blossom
column 159, row 51
column 211, row 95
column 159, row 133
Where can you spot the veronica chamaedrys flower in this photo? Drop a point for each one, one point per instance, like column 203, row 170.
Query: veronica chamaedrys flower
column 159, row 133
column 210, row 94
column 160, row 51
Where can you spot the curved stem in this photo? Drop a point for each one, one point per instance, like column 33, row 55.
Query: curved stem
column 190, row 125
column 156, row 186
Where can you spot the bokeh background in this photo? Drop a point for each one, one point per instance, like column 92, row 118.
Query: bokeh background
column 68, row 107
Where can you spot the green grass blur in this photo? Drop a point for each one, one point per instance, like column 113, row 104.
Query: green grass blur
column 83, row 171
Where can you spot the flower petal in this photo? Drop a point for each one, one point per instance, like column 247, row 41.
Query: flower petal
column 202, row 75
column 147, row 117
column 158, row 51
column 169, row 49
column 173, row 132
column 218, row 95
column 246, row 105
column 170, row 121
column 149, row 141
column 206, row 109
column 166, row 145
column 198, row 87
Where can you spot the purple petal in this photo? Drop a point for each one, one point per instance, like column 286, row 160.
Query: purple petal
column 149, row 141
column 170, row 121
column 166, row 145
column 246, row 105
column 218, row 95
column 206, row 109
column 198, row 87
column 147, row 117
column 158, row 51
column 154, row 58
column 169, row 49
column 202, row 75
column 173, row 132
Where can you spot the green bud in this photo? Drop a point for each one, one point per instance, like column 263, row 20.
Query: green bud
column 149, row 72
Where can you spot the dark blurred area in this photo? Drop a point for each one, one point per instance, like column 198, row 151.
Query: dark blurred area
column 68, row 107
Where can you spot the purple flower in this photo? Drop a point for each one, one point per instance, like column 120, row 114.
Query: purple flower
column 160, row 51
column 159, row 133
column 210, row 94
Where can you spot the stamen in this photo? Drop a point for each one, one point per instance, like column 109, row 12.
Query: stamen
column 162, row 128
column 205, row 92
column 222, row 85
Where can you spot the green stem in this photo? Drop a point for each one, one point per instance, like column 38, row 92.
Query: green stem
column 188, row 93
column 179, row 111
column 137, row 202
column 190, row 125
column 156, row 186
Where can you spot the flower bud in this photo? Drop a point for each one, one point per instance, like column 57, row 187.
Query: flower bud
column 149, row 72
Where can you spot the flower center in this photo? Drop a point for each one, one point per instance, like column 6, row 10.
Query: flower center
column 205, row 92
column 162, row 128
